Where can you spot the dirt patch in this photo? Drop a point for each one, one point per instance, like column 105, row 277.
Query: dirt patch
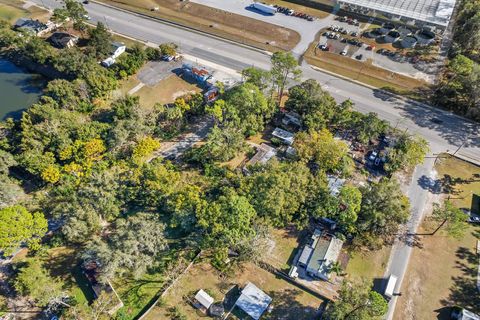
column 222, row 23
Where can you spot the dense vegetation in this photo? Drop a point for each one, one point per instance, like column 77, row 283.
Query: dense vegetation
column 459, row 86
column 87, row 162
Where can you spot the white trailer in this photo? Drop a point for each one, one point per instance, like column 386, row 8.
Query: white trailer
column 390, row 287
column 265, row 8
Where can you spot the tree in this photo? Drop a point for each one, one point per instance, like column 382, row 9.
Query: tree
column 72, row 10
column 369, row 127
column 168, row 49
column 222, row 145
column 51, row 174
column 18, row 225
column 451, row 218
column 321, row 148
column 100, row 40
column 144, row 148
column 34, row 281
column 284, row 66
column 356, row 300
column 227, row 221
column 258, row 77
column 384, row 208
column 407, row 153
column 316, row 106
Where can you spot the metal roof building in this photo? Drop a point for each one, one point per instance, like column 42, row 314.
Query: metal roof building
column 430, row 12
column 253, row 301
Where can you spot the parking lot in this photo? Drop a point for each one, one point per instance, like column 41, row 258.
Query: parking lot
column 346, row 39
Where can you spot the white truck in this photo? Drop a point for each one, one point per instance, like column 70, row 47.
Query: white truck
column 265, row 8
column 390, row 287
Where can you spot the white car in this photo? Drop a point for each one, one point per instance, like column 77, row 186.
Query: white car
column 344, row 51
column 373, row 155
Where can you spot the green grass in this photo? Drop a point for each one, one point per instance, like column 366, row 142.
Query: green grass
column 369, row 264
column 10, row 14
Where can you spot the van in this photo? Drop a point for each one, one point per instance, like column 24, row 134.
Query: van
column 390, row 287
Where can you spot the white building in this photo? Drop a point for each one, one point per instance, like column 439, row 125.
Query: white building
column 433, row 13
column 325, row 254
column 253, row 301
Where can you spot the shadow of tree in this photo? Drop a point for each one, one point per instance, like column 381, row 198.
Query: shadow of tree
column 286, row 306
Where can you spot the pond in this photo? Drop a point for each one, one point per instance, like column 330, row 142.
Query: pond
column 18, row 89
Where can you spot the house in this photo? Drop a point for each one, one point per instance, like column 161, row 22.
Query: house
column 325, row 253
column 284, row 136
column 34, row 27
column 292, row 119
column 204, row 300
column 118, row 48
column 92, row 270
column 263, row 155
column 63, row 40
column 463, row 314
column 253, row 301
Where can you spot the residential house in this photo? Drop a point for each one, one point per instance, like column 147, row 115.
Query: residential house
column 253, row 301
column 284, row 136
column 292, row 119
column 325, row 254
column 63, row 40
column 34, row 27
column 263, row 155
column 118, row 48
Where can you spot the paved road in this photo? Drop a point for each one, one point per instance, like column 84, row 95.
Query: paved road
column 444, row 131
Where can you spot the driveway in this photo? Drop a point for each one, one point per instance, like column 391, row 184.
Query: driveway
column 306, row 29
column 155, row 71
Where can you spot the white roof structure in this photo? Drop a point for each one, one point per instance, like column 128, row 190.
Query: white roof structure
column 335, row 184
column 204, row 298
column 263, row 155
column 468, row 315
column 253, row 301
column 437, row 12
column 286, row 136
column 326, row 252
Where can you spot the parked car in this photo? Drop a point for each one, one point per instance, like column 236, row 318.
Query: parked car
column 359, row 43
column 474, row 219
column 354, row 34
column 344, row 40
column 373, row 155
column 380, row 51
column 370, row 48
column 359, row 57
column 344, row 51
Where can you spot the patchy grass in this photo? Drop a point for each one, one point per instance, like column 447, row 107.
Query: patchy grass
column 443, row 270
column 289, row 302
column 9, row 13
column 225, row 24
column 368, row 264
column 285, row 246
column 460, row 179
column 11, row 10
column 165, row 91
column 365, row 72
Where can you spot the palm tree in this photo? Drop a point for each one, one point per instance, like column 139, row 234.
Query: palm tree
column 336, row 268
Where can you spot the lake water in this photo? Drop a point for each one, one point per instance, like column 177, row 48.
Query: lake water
column 18, row 90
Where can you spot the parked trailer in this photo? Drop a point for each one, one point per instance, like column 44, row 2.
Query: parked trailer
column 265, row 8
column 390, row 287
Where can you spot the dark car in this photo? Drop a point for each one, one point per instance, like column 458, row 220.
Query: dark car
column 359, row 57
column 86, row 2
column 474, row 219
column 380, row 51
column 359, row 44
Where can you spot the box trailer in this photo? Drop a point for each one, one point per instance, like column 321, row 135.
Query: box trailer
column 390, row 287
column 265, row 8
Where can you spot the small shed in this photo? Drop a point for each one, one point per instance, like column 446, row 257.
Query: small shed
column 253, row 301
column 204, row 300
column 284, row 136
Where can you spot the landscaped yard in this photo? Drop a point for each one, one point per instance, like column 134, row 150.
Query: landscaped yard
column 289, row 302
column 443, row 270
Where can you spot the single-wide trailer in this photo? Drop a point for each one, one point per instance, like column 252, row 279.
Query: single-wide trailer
column 265, row 8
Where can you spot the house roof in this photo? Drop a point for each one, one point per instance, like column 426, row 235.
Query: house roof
column 335, row 184
column 253, row 301
column 283, row 135
column 468, row 315
column 326, row 252
column 264, row 153
column 62, row 38
column 204, row 298
column 307, row 251
column 30, row 24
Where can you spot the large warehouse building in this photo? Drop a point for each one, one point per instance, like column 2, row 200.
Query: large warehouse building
column 428, row 13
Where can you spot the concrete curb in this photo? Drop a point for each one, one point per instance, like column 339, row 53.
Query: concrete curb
column 181, row 26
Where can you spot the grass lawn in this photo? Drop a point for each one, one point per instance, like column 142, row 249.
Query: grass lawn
column 443, row 270
column 225, row 24
column 11, row 10
column 166, row 91
column 289, row 302
column 368, row 264
column 286, row 244
column 365, row 72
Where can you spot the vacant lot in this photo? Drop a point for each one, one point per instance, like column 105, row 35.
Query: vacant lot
column 289, row 302
column 225, row 24
column 368, row 264
column 443, row 270
column 364, row 72
column 285, row 243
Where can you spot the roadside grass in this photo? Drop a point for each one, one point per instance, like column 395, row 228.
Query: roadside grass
column 320, row 14
column 368, row 264
column 221, row 23
column 365, row 72
column 443, row 270
column 11, row 10
column 165, row 91
column 288, row 302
